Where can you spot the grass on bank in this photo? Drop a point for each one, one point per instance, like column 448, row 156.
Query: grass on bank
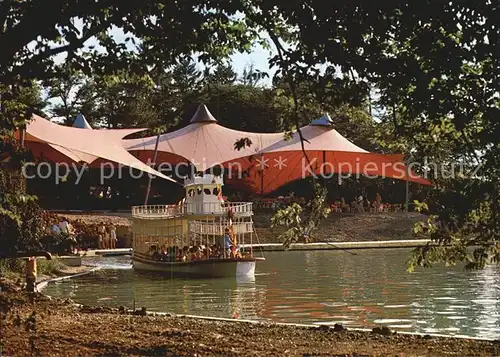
column 16, row 268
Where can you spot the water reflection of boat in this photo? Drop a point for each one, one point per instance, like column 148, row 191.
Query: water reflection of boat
column 224, row 267
column 199, row 237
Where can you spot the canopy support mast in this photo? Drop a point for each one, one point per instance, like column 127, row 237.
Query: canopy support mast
column 150, row 177
column 407, row 191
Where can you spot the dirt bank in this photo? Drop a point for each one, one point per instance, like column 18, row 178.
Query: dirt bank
column 338, row 227
column 98, row 218
column 350, row 227
column 60, row 328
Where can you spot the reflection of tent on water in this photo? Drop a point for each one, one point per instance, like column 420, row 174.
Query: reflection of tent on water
column 69, row 144
column 270, row 161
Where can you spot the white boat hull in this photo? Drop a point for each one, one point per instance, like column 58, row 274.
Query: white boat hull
column 212, row 268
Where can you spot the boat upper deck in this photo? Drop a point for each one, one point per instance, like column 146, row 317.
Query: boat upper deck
column 239, row 209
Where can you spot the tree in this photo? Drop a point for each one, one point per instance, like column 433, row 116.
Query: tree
column 241, row 107
column 435, row 67
column 21, row 221
column 118, row 101
column 186, row 76
column 300, row 223
column 223, row 74
column 67, row 89
column 160, row 31
column 252, row 76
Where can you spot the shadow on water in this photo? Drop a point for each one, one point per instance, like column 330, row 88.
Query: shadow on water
column 322, row 287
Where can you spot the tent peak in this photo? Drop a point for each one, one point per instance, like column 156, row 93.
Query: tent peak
column 81, row 122
column 203, row 115
column 325, row 120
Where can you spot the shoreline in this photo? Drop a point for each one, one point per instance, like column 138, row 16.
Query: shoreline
column 90, row 330
column 40, row 285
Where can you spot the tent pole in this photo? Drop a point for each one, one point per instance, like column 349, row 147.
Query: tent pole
column 262, row 175
column 150, row 177
column 322, row 171
column 407, row 193
column 22, row 136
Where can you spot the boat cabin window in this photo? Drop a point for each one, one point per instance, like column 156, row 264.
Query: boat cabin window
column 216, row 191
column 198, row 191
column 191, row 193
column 207, row 191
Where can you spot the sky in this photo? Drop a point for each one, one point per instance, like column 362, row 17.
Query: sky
column 258, row 55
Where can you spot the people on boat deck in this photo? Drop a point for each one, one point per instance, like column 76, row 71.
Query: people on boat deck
column 225, row 243
column 154, row 252
column 192, row 253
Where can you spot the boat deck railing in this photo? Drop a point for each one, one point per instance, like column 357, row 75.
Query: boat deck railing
column 204, row 208
column 209, row 228
column 156, row 211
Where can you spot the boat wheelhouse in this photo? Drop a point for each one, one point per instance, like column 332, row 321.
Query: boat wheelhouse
column 202, row 235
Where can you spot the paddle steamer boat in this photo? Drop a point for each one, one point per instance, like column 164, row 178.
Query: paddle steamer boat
column 199, row 237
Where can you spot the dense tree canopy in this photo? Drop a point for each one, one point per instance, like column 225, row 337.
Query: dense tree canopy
column 433, row 66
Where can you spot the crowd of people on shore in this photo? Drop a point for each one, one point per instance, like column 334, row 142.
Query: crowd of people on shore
column 360, row 203
column 59, row 234
column 76, row 236
column 106, row 236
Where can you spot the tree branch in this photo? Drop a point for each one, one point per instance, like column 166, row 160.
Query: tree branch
column 291, row 84
column 39, row 18
column 5, row 7
column 72, row 46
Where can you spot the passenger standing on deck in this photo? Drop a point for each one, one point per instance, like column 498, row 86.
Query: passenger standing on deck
column 227, row 243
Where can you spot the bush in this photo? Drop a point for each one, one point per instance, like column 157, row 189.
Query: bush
column 15, row 268
column 49, row 267
column 21, row 222
column 60, row 244
column 12, row 267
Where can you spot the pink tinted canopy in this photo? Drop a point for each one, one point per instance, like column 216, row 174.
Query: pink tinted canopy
column 204, row 142
column 87, row 145
column 319, row 135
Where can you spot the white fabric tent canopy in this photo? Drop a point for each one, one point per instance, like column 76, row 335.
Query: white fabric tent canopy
column 204, row 142
column 87, row 145
column 319, row 135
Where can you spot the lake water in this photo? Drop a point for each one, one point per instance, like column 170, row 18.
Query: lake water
column 371, row 288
